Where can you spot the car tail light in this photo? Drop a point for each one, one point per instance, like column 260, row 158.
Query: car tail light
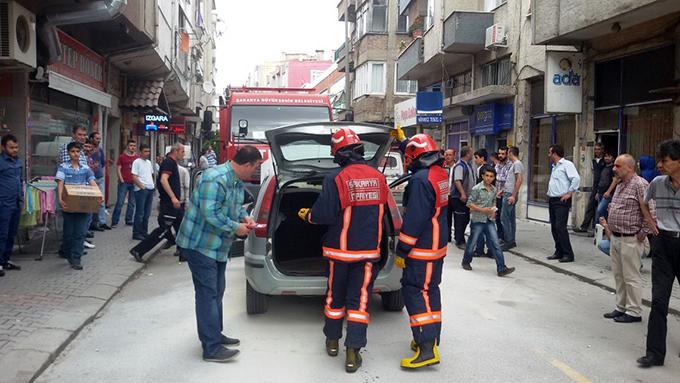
column 394, row 213
column 265, row 208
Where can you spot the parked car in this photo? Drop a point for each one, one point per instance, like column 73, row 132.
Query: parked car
column 283, row 254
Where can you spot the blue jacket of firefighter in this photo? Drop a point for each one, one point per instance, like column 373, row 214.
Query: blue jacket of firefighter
column 352, row 204
column 423, row 233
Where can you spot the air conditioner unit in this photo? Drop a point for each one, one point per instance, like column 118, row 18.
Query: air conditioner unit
column 496, row 37
column 17, row 35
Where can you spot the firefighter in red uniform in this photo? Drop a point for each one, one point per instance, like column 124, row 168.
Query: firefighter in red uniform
column 422, row 246
column 352, row 204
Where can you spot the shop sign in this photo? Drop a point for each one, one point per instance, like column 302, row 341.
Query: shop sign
column 79, row 63
column 405, row 113
column 156, row 122
column 563, row 82
column 490, row 119
column 429, row 107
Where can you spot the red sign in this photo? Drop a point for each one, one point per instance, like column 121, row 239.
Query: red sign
column 79, row 63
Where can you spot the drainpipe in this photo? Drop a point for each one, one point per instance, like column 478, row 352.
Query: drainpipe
column 80, row 14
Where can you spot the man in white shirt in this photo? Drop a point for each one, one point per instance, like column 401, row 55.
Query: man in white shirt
column 142, row 174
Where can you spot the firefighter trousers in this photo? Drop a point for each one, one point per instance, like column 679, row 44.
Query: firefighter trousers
column 420, row 288
column 349, row 290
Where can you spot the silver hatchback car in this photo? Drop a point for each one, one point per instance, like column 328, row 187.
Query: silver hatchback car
column 283, row 254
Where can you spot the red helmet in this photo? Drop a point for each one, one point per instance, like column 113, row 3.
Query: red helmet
column 420, row 144
column 342, row 138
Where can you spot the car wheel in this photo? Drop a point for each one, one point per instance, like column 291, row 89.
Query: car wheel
column 256, row 303
column 392, row 300
column 237, row 248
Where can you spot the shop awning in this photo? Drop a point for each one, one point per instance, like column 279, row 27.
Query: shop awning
column 146, row 95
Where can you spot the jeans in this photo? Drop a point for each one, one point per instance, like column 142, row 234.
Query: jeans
column 489, row 229
column 508, row 219
column 604, row 246
column 602, row 209
column 9, row 224
column 499, row 223
column 124, row 189
column 143, row 202
column 461, row 218
column 209, row 285
column 101, row 213
column 665, row 271
column 75, row 228
column 559, row 216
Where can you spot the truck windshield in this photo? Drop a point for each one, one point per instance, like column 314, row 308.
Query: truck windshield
column 264, row 117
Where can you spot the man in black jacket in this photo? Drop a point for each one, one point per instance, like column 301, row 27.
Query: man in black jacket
column 597, row 166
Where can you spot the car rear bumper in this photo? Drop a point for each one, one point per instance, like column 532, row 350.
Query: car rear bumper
column 265, row 278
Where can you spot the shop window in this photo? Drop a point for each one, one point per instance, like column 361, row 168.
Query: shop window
column 629, row 80
column 645, row 126
column 51, row 127
column 546, row 131
column 541, row 139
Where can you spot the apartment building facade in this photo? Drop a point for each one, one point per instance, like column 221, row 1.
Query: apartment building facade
column 105, row 65
column 534, row 73
column 375, row 30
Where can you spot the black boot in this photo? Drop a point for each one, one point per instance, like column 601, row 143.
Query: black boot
column 332, row 347
column 353, row 360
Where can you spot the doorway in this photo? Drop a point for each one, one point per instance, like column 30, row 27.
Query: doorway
column 610, row 140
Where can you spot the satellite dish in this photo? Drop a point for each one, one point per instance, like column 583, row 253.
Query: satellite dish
column 208, row 87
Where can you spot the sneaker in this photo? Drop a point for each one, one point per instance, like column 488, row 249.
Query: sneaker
column 508, row 245
column 466, row 266
column 77, row 267
column 227, row 341
column 11, row 266
column 89, row 234
column 89, row 245
column 113, row 225
column 105, row 226
column 222, row 355
column 506, row 271
column 580, row 230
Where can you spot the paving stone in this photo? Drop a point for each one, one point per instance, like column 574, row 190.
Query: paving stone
column 46, row 340
column 20, row 366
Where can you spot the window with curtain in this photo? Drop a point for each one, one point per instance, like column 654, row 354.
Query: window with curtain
column 404, row 86
column 369, row 79
column 379, row 16
column 429, row 18
column 497, row 72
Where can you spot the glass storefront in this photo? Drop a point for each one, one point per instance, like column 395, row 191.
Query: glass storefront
column 50, row 127
column 458, row 135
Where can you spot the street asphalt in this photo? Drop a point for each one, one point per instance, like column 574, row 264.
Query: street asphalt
column 536, row 325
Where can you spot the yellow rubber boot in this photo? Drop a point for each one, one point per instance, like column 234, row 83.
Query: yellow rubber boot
column 414, row 346
column 426, row 355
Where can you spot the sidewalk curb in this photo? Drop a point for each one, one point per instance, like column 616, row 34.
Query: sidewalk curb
column 35, row 354
column 583, row 278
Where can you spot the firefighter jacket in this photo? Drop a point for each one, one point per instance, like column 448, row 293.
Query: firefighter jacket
column 423, row 233
column 352, row 204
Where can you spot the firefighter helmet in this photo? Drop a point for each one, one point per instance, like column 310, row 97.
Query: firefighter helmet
column 420, row 144
column 344, row 137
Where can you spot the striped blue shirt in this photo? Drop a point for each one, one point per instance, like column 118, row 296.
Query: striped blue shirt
column 213, row 213
column 74, row 176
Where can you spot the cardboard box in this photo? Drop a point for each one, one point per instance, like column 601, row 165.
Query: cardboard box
column 81, row 198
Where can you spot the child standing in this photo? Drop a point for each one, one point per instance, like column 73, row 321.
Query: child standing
column 75, row 224
column 482, row 204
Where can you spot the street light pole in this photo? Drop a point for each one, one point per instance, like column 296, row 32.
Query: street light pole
column 348, row 99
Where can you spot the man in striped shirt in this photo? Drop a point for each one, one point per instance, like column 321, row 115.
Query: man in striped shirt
column 627, row 224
